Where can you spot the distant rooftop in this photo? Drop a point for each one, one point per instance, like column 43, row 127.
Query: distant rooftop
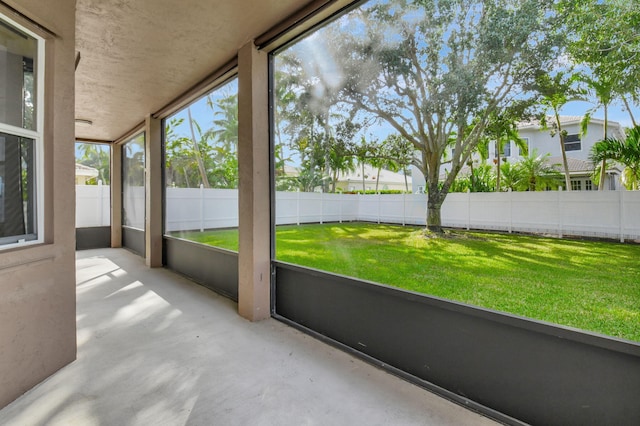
column 82, row 170
column 615, row 129
column 564, row 119
column 576, row 166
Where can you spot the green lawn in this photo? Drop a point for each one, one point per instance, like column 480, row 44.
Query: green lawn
column 585, row 284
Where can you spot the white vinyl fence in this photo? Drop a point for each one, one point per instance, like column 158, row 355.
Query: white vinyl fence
column 608, row 214
column 133, row 207
column 93, row 205
column 199, row 209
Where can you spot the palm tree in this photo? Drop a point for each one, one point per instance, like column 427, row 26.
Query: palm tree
column 482, row 179
column 224, row 134
column 363, row 153
column 555, row 91
column 502, row 130
column 179, row 165
column 536, row 174
column 341, row 148
column 225, row 123
column 625, row 151
column 403, row 154
column 340, row 160
column 196, row 148
column 96, row 156
column 511, row 176
column 603, row 89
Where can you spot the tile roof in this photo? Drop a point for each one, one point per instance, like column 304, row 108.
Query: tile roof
column 575, row 164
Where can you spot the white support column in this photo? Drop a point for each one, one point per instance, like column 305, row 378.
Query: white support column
column 254, row 256
column 153, row 185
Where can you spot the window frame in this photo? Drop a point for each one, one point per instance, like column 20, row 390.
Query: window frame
column 576, row 185
column 577, row 142
column 506, row 150
column 37, row 136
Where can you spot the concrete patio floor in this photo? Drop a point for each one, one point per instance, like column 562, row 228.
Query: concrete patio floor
column 157, row 349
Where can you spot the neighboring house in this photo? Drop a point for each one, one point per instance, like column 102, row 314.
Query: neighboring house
column 352, row 181
column 85, row 173
column 577, row 147
column 387, row 180
column 289, row 171
column 581, row 172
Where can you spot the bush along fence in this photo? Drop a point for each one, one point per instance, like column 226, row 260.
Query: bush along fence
column 602, row 214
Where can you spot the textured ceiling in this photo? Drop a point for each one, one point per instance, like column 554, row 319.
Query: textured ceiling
column 138, row 55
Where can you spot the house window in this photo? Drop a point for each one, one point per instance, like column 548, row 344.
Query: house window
column 576, row 185
column 506, row 149
column 572, row 143
column 588, row 185
column 21, row 118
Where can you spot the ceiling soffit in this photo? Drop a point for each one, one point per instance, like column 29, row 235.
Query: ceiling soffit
column 137, row 56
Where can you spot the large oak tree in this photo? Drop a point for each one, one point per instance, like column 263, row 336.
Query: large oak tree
column 436, row 71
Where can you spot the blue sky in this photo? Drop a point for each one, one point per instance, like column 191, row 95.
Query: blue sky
column 314, row 49
column 201, row 112
column 617, row 111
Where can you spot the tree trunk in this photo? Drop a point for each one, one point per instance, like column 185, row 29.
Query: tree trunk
column 186, row 176
column 565, row 164
column 603, row 165
column 498, row 167
column 601, row 182
column 434, row 206
column 377, row 179
column 363, row 187
column 196, row 152
column 406, row 183
column 334, row 179
column 284, row 171
column 626, row 105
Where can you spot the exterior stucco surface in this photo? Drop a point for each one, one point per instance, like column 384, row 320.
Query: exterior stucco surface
column 37, row 284
column 136, row 56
